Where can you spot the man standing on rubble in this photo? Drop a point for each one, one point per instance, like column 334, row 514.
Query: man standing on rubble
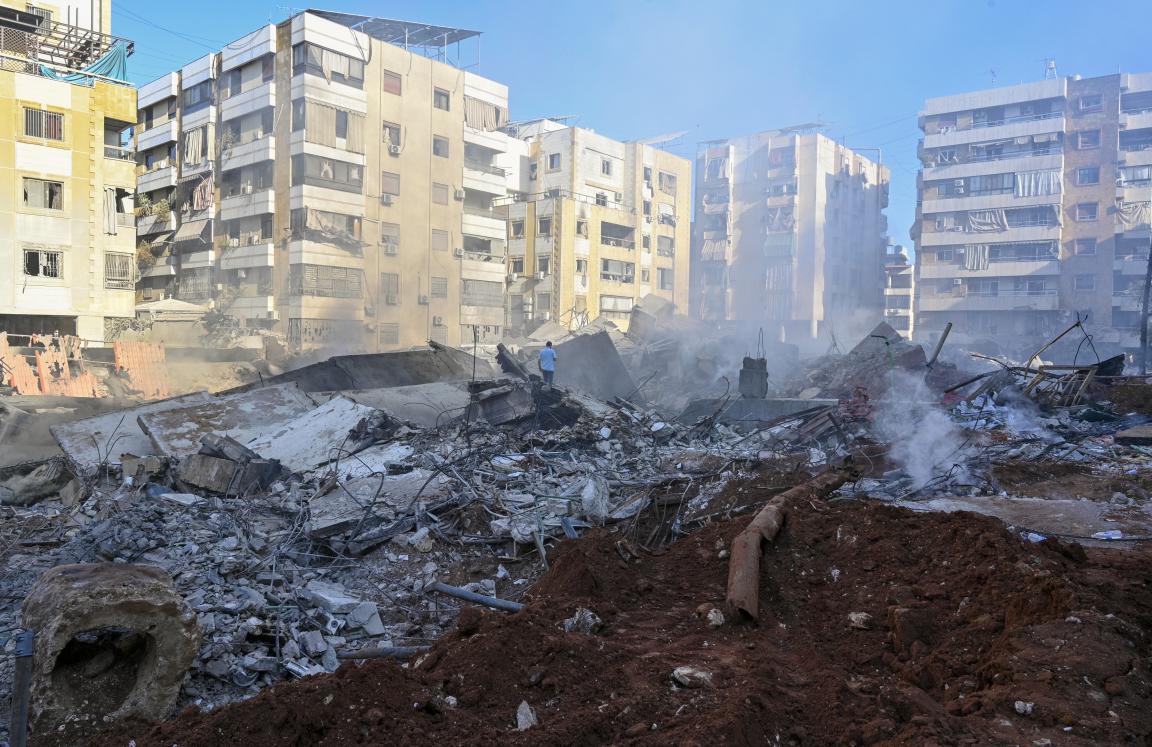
column 547, row 364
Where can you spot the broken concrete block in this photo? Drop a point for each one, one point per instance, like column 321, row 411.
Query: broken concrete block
column 332, row 597
column 145, row 467
column 313, row 643
column 691, row 677
column 211, row 473
column 112, row 641
column 182, row 499
column 1140, row 435
column 526, row 716
column 362, row 613
column 75, row 492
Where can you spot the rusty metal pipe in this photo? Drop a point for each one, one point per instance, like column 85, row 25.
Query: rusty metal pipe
column 743, row 600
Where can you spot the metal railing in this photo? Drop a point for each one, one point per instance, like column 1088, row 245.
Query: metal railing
column 1011, row 120
column 126, row 220
column 618, row 242
column 1008, row 292
column 1135, row 147
column 486, row 168
column 119, row 153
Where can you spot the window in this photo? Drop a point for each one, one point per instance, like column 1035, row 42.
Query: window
column 389, row 183
column 647, row 174
column 439, row 193
column 440, row 239
column 667, row 183
column 341, row 124
column 1086, row 247
column 391, row 82
column 533, row 170
column 390, row 287
column 482, row 293
column 605, row 167
column 945, row 255
column 391, row 132
column 327, row 281
column 664, row 278
column 544, row 264
column 332, row 66
column 42, row 194
column 543, row 302
column 1091, row 103
column 1086, row 211
column 326, row 227
column 39, row 263
column 647, row 208
column 1088, row 175
column 118, row 271
column 582, row 228
column 327, row 172
column 665, row 246
column 230, row 84
column 516, row 229
column 646, row 242
column 601, row 199
column 581, row 267
column 198, row 96
column 518, row 266
column 616, row 307
column 267, row 68
column 553, row 161
column 438, row 287
column 1088, row 139
column 1084, row 282
column 390, row 333
column 617, row 271
column 543, row 226
column 439, row 146
column 390, row 237
column 42, row 124
column 441, row 99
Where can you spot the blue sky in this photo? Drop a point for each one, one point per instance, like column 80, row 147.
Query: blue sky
column 641, row 68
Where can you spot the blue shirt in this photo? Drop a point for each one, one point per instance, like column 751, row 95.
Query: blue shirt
column 547, row 359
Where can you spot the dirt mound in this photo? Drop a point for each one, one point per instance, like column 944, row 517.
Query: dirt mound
column 880, row 625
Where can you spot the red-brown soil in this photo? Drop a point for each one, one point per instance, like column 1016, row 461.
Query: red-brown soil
column 966, row 619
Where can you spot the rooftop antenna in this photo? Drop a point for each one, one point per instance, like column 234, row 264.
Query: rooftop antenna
column 1050, row 68
column 992, row 72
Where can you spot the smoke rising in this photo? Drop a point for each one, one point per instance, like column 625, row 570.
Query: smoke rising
column 925, row 442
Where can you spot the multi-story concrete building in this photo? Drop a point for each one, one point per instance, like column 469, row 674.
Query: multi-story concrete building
column 1034, row 208
column 596, row 225
column 331, row 178
column 67, row 242
column 789, row 233
column 899, row 284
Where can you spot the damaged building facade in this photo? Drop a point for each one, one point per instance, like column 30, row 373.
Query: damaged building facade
column 596, row 225
column 899, row 289
column 66, row 229
column 789, row 231
column 329, row 178
column 1033, row 207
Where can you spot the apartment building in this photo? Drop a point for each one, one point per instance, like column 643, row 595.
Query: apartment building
column 67, row 242
column 899, row 284
column 1033, row 209
column 789, row 233
column 330, row 177
column 596, row 225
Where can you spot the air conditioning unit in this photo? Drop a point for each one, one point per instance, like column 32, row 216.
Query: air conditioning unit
column 957, row 281
column 241, row 274
column 234, row 241
column 423, row 300
column 437, row 321
column 459, row 195
column 390, row 249
column 509, row 277
column 619, row 197
column 458, row 252
column 274, row 315
column 385, row 199
column 393, row 150
column 391, row 299
column 541, row 275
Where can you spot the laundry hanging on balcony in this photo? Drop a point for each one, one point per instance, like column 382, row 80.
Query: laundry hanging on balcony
column 113, row 65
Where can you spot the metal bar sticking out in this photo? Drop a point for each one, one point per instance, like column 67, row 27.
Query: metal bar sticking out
column 939, row 345
column 21, row 689
column 468, row 596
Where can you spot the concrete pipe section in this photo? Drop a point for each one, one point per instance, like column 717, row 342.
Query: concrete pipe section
column 112, row 640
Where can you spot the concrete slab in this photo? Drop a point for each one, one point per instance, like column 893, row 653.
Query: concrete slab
column 425, row 405
column 244, row 416
column 374, row 460
column 592, row 364
column 312, row 438
column 1140, row 435
column 103, row 438
column 750, row 412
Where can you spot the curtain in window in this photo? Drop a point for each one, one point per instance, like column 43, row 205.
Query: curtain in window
column 194, row 147
column 321, row 127
column 110, row 211
column 1034, row 183
column 976, row 257
column 984, row 221
column 355, row 133
column 1133, row 214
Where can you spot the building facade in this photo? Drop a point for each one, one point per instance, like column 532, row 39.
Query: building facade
column 789, row 233
column 330, row 178
column 899, row 290
column 596, row 225
column 1033, row 210
column 67, row 241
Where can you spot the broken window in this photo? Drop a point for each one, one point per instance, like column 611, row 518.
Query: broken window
column 532, row 172
column 518, row 266
column 665, row 246
column 43, row 194
column 391, row 133
column 327, row 172
column 667, row 183
column 616, row 307
column 1086, row 246
column 582, row 228
column 617, row 271
column 581, row 267
column 516, row 229
column 543, row 265
column 664, row 278
column 390, row 237
column 1092, row 102
column 41, row 263
column 1088, row 139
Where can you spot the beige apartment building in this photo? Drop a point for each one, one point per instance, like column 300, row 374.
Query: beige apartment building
column 596, row 224
column 899, row 290
column 331, row 178
column 789, row 233
column 1033, row 209
column 67, row 242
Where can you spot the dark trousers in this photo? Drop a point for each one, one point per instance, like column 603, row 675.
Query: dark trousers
column 548, row 376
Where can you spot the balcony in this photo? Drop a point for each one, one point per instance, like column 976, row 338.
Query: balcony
column 1136, row 120
column 1131, row 265
column 248, row 204
column 161, row 178
column 984, row 201
column 260, row 254
column 1023, row 232
column 157, row 135
column 246, row 102
column 119, row 153
column 477, row 266
column 164, row 87
column 1011, row 268
column 198, row 259
column 1127, row 300
column 628, row 244
column 1136, row 154
column 253, row 307
column 484, row 224
column 1002, row 129
column 1007, row 300
column 250, row 152
column 150, row 224
column 1003, row 163
column 496, row 141
column 485, row 178
column 164, row 267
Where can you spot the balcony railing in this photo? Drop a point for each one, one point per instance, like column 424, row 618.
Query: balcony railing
column 987, row 157
column 1135, row 147
column 126, row 220
column 484, row 213
column 1008, row 292
column 614, row 241
column 486, row 168
column 119, row 153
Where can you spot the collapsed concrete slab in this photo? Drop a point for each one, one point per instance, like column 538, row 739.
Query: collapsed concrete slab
column 592, row 364
column 100, row 440
column 425, row 405
column 314, row 437
column 112, row 640
column 177, row 433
